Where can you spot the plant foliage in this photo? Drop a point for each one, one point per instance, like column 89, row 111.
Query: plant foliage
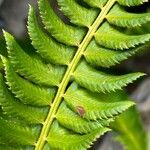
column 130, row 132
column 59, row 96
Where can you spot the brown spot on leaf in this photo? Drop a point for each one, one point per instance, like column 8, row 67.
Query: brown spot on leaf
column 80, row 110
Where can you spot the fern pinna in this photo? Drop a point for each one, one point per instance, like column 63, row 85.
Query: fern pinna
column 60, row 97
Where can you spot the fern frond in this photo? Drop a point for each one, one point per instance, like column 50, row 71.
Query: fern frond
column 22, row 62
column 6, row 147
column 59, row 30
column 12, row 107
column 118, row 16
column 82, row 125
column 83, row 102
column 130, row 131
column 56, row 91
column 14, row 134
column 98, row 81
column 110, row 37
column 74, row 141
column 49, row 49
column 104, row 57
column 73, row 10
column 96, row 3
column 21, row 88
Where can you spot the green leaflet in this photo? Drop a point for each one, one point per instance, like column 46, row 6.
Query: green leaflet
column 83, row 102
column 118, row 16
column 55, row 97
column 12, row 107
column 73, row 10
column 104, row 57
column 82, row 125
column 21, row 88
column 96, row 3
column 6, row 147
column 50, row 50
column 130, row 130
column 15, row 134
column 64, row 33
column 98, row 81
column 105, row 37
column 74, row 141
column 22, row 62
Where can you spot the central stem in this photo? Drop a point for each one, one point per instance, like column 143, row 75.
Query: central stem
column 71, row 67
